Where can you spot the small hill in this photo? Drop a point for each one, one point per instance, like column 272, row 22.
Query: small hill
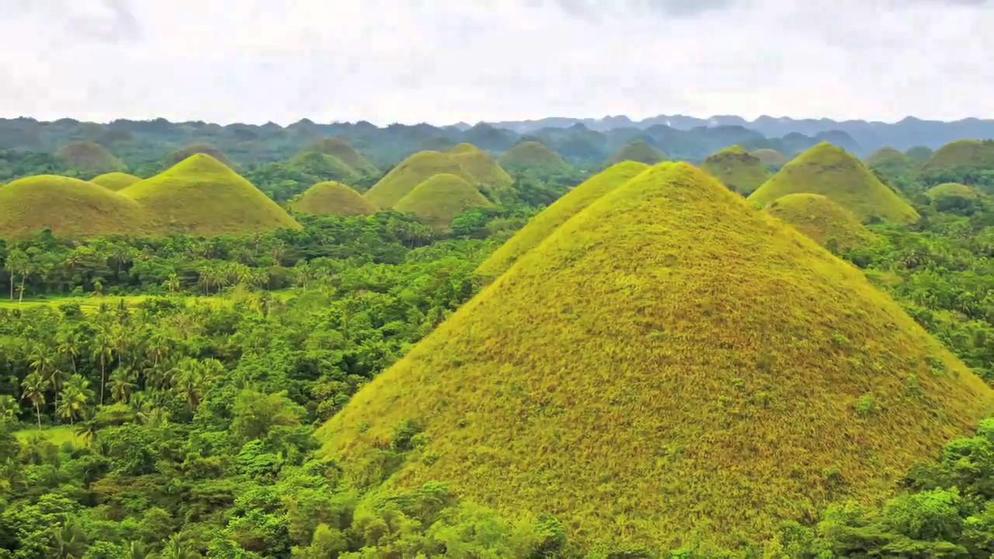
column 332, row 198
column 919, row 154
column 441, row 198
column 638, row 151
column 954, row 197
column 193, row 149
column 738, row 169
column 543, row 224
column 464, row 160
column 202, row 196
column 669, row 366
column 831, row 171
column 115, row 180
column 89, row 158
column 344, row 152
column 327, row 167
column 68, row 207
column 821, row 219
column 890, row 163
column 965, row 155
column 532, row 156
column 772, row 158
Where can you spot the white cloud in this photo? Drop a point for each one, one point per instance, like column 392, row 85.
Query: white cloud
column 410, row 61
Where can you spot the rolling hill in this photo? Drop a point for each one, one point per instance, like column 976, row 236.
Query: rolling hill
column 772, row 158
column 464, row 160
column 532, row 156
column 193, row 149
column 833, row 172
column 344, row 152
column 327, row 167
column 332, row 198
column 669, row 366
column 737, row 169
column 68, row 207
column 638, row 151
column 115, row 180
column 202, row 196
column 963, row 155
column 821, row 219
column 439, row 199
column 546, row 222
column 954, row 197
column 89, row 158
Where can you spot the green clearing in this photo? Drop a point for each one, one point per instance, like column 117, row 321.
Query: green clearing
column 55, row 435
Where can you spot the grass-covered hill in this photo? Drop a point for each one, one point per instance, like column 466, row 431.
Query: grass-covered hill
column 343, row 150
column 532, row 156
column 831, row 171
column 332, row 198
column 772, row 158
column 464, row 160
column 639, row 151
column 546, row 222
column 193, row 149
column 68, row 207
column 115, row 180
column 201, row 195
column 88, row 158
column 669, row 366
column 966, row 155
column 738, row 169
column 821, row 219
column 328, row 167
column 441, row 198
column 954, row 197
column 889, row 162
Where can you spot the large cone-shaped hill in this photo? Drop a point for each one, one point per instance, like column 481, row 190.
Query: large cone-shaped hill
column 638, row 151
column 200, row 195
column 441, row 198
column 464, row 160
column 68, row 207
column 831, row 171
column 332, row 198
column 669, row 364
column 969, row 155
column 115, row 180
column 343, row 150
column 738, row 169
column 532, row 156
column 545, row 223
column 821, row 219
column 89, row 157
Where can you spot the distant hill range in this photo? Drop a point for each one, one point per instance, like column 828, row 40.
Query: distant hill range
column 584, row 142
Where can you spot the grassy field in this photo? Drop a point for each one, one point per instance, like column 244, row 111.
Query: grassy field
column 115, row 180
column 93, row 303
column 55, row 435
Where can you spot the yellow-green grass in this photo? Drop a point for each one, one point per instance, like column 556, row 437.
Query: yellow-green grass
column 68, row 207
column 831, row 171
column 638, row 151
column 332, row 198
column 89, row 157
column 202, row 196
column 532, row 156
column 824, row 221
column 115, row 180
column 670, row 366
column 93, row 303
column 343, row 150
column 952, row 190
column 465, row 160
column 325, row 166
column 738, row 169
column 887, row 156
column 772, row 158
column 546, row 222
column 963, row 154
column 55, row 435
column 193, row 149
column 441, row 198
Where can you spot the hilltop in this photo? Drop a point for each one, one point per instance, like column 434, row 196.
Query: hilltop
column 638, row 151
column 68, row 207
column 465, row 160
column 737, row 169
column 821, row 219
column 963, row 155
column 332, row 198
column 833, row 172
column 89, row 158
column 115, row 180
column 532, row 156
column 890, row 163
column 202, row 196
column 954, row 197
column 546, row 222
column 659, row 377
column 344, row 152
column 441, row 198
column 772, row 158
column 327, row 167
column 193, row 149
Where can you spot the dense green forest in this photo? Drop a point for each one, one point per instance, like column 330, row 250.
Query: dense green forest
column 160, row 395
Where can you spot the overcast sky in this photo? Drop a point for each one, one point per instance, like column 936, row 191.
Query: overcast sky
column 443, row 61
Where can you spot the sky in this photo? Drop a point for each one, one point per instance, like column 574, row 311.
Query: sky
column 445, row 61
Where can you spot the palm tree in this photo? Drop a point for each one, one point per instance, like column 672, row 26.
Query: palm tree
column 123, row 382
column 68, row 542
column 103, row 352
column 33, row 389
column 172, row 284
column 136, row 550
column 42, row 363
column 67, row 346
column 176, row 549
column 75, row 397
column 8, row 408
